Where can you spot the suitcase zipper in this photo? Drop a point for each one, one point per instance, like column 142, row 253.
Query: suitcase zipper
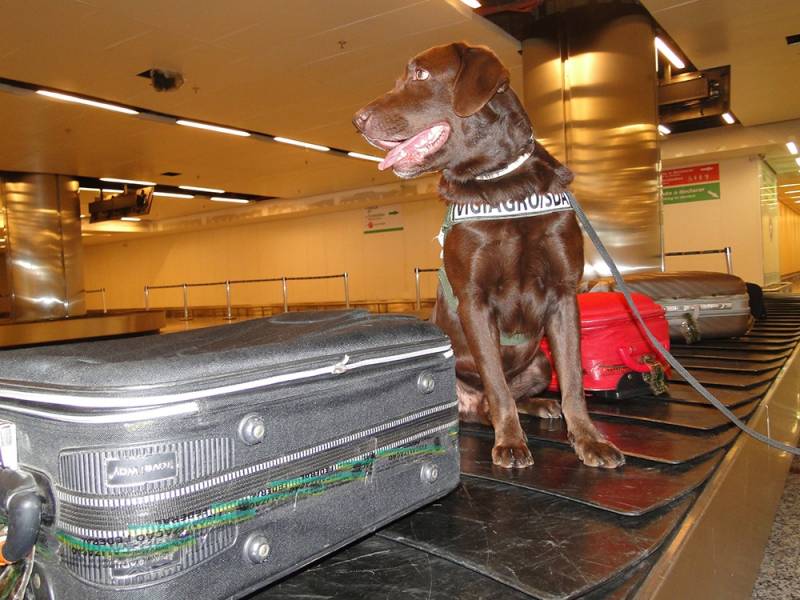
column 183, row 402
column 77, row 511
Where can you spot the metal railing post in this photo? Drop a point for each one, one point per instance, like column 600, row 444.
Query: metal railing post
column 729, row 259
column 185, row 303
column 229, row 312
column 146, row 298
column 285, row 295
column 346, row 290
column 418, row 302
column 103, row 296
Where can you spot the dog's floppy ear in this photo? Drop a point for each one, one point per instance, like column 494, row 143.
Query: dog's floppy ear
column 479, row 78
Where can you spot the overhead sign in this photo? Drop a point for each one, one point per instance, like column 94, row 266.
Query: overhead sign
column 381, row 219
column 691, row 184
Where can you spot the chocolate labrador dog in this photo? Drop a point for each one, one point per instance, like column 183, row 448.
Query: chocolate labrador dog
column 511, row 272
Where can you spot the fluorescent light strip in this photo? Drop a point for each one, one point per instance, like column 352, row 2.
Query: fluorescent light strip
column 364, row 156
column 284, row 140
column 797, row 160
column 472, row 3
column 664, row 130
column 104, row 190
column 234, row 200
column 87, row 102
column 172, row 195
column 216, row 128
column 201, row 189
column 131, row 219
column 728, row 118
column 789, row 185
column 669, row 54
column 128, row 181
column 792, row 147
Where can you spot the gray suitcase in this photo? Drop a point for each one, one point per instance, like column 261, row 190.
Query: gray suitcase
column 208, row 463
column 698, row 304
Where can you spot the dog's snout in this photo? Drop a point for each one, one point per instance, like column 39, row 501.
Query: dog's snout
column 361, row 117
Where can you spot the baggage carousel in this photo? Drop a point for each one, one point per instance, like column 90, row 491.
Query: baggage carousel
column 686, row 517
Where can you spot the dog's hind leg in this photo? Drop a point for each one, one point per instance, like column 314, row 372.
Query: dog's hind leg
column 532, row 381
column 472, row 404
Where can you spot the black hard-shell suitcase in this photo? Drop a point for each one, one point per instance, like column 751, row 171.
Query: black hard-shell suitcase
column 208, row 463
column 698, row 304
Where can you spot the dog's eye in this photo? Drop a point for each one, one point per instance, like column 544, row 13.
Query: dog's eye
column 420, row 74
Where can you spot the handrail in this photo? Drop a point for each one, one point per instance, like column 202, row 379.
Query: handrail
column 102, row 292
column 727, row 251
column 229, row 282
column 417, row 271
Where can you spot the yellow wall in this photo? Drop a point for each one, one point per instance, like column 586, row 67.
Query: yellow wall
column 380, row 265
column 733, row 220
column 789, row 237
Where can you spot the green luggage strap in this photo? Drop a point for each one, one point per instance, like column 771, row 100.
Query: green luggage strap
column 536, row 204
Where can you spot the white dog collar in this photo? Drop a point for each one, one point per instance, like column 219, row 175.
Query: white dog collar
column 508, row 168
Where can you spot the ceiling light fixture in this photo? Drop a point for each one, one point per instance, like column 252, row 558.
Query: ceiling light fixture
column 472, row 3
column 728, row 118
column 797, row 160
column 669, row 54
column 284, row 140
column 131, row 219
column 87, row 102
column 792, row 147
column 664, row 130
column 364, row 156
column 234, row 200
column 172, row 195
column 128, row 181
column 216, row 128
column 201, row 189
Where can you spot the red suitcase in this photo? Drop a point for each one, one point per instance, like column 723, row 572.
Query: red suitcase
column 617, row 359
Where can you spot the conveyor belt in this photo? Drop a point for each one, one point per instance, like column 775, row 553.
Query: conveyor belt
column 560, row 529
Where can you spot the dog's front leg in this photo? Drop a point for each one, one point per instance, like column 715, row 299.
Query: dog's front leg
column 510, row 448
column 563, row 334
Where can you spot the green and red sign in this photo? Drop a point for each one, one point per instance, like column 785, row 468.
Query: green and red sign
column 690, row 184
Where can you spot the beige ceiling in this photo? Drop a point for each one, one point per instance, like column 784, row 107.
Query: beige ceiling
column 297, row 68
column 749, row 35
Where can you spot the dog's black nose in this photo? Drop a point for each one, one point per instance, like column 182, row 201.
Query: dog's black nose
column 360, row 119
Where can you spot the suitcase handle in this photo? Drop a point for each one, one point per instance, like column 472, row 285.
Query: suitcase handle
column 640, row 367
column 22, row 506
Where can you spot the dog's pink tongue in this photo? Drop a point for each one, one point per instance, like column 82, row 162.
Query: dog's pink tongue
column 414, row 149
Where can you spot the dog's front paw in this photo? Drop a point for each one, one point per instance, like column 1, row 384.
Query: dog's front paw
column 512, row 456
column 598, row 452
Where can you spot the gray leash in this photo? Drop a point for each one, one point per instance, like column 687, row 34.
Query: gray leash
column 679, row 368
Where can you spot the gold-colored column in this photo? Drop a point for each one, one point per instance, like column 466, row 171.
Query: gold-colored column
column 591, row 91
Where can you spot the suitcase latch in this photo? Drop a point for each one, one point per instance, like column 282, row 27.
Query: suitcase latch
column 689, row 328
column 654, row 376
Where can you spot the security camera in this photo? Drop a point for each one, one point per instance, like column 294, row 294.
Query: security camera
column 165, row 81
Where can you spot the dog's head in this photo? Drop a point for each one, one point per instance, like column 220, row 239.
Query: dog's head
column 433, row 118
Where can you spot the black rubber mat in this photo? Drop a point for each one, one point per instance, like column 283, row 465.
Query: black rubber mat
column 633, row 490
column 772, row 340
column 507, row 533
column 728, row 380
column 729, row 354
column 683, row 392
column 734, row 366
column 660, row 411
column 742, row 346
column 788, row 335
column 622, row 587
column 378, row 568
column 587, row 533
column 657, row 444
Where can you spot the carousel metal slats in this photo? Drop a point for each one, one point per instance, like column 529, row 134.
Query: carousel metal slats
column 559, row 529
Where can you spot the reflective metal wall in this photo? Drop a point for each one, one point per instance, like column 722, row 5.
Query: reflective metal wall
column 590, row 90
column 44, row 256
